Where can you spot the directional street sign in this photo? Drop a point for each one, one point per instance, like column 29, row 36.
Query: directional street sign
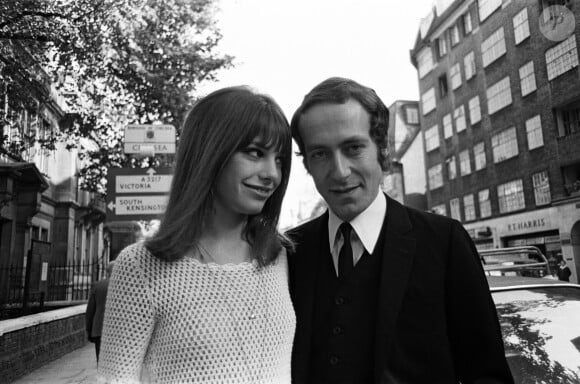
column 137, row 193
column 149, row 139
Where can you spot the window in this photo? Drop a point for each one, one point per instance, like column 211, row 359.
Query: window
column 439, row 209
column 493, row 47
column 443, row 89
column 442, row 45
column 499, row 95
column 451, row 168
column 454, row 35
column 474, row 110
column 455, row 74
column 479, row 154
column 467, row 26
column 486, row 8
column 469, row 64
column 459, row 117
column 447, row 126
column 469, row 207
column 412, row 115
column 464, row 163
column 435, row 177
column 534, row 132
column 562, row 57
column 568, row 121
column 432, row 138
column 511, row 196
column 504, row 145
column 484, row 203
column 455, row 209
column 428, row 101
column 527, row 78
column 541, row 188
column 38, row 233
column 425, row 61
column 521, row 26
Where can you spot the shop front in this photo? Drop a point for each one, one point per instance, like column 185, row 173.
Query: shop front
column 540, row 228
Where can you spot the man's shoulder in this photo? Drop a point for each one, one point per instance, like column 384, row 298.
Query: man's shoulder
column 429, row 219
column 305, row 229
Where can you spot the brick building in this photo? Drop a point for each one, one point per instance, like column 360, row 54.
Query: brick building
column 405, row 180
column 500, row 117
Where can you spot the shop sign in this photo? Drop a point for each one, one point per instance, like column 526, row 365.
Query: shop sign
column 528, row 222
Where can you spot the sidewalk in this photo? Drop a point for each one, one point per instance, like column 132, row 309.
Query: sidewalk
column 79, row 366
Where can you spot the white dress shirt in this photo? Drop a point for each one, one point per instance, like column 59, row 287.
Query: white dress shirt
column 366, row 230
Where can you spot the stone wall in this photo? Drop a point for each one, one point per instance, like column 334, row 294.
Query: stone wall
column 29, row 342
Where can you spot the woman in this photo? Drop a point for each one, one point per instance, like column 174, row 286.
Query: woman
column 206, row 299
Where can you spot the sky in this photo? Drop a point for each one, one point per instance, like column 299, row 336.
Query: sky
column 285, row 47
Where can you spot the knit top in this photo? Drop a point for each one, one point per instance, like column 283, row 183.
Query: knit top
column 192, row 322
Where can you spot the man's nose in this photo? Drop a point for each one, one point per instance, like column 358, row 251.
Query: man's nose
column 340, row 167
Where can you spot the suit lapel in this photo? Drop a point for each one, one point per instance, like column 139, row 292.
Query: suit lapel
column 398, row 251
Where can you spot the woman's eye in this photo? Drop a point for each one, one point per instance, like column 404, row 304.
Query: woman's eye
column 254, row 152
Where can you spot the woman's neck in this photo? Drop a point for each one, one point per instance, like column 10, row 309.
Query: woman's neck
column 223, row 240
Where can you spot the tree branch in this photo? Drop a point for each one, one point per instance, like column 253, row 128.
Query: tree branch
column 24, row 14
column 24, row 36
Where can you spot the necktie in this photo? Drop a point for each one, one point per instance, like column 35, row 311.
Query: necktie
column 345, row 262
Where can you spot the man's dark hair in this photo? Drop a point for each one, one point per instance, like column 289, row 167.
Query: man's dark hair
column 338, row 90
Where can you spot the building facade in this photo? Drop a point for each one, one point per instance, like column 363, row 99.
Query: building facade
column 500, row 117
column 43, row 212
column 405, row 180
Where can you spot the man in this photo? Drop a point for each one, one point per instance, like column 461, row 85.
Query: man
column 563, row 271
column 96, row 309
column 394, row 295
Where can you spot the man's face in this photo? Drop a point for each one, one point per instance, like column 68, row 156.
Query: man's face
column 341, row 156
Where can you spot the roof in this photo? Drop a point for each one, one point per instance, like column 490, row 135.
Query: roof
column 434, row 24
column 25, row 172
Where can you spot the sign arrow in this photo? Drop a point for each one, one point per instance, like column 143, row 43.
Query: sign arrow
column 111, row 206
column 151, row 172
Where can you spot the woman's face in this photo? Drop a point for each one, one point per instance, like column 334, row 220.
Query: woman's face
column 248, row 179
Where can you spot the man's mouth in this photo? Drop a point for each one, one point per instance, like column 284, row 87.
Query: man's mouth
column 343, row 190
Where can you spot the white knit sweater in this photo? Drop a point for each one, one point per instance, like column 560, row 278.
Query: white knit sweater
column 191, row 322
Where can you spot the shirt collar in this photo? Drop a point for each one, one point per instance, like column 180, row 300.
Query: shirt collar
column 367, row 224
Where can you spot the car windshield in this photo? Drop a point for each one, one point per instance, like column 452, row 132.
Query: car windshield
column 541, row 330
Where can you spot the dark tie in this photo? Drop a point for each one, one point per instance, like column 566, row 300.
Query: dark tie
column 345, row 262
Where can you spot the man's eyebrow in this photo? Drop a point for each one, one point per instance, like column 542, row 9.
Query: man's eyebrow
column 313, row 147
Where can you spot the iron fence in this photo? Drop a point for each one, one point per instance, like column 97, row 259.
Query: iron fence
column 69, row 282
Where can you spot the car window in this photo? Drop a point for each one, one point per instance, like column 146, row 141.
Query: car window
column 541, row 330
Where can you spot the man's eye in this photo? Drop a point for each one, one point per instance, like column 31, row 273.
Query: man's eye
column 354, row 149
column 316, row 155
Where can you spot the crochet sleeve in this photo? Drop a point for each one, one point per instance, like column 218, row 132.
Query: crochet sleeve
column 129, row 320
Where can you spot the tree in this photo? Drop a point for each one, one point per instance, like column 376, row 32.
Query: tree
column 116, row 62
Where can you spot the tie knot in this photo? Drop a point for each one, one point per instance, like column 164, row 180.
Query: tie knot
column 345, row 228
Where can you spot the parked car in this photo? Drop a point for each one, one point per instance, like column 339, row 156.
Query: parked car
column 539, row 317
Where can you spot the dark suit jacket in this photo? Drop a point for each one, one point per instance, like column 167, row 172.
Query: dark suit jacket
column 436, row 320
column 96, row 308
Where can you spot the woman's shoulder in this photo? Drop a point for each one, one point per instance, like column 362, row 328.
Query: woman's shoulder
column 135, row 254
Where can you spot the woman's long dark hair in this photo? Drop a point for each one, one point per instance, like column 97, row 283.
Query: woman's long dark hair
column 220, row 124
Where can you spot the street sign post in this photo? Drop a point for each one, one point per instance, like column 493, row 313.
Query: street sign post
column 149, row 139
column 137, row 193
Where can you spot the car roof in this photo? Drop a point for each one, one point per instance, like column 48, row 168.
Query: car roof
column 501, row 283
